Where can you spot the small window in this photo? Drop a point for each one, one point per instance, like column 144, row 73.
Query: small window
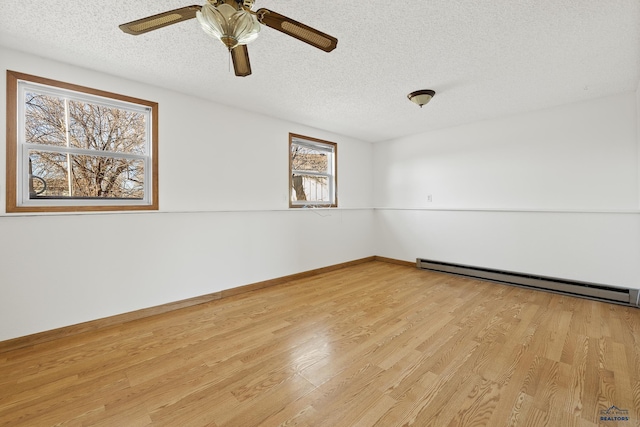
column 313, row 176
column 71, row 148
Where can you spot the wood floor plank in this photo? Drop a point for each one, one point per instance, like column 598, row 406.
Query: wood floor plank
column 373, row 344
column 478, row 406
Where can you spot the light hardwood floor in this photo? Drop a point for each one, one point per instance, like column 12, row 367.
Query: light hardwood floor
column 375, row 344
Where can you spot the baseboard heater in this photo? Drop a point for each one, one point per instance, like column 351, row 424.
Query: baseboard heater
column 580, row 289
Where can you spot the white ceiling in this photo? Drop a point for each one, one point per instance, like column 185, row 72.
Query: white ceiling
column 484, row 58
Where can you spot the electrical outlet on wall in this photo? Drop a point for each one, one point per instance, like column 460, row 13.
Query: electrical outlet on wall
column 429, row 198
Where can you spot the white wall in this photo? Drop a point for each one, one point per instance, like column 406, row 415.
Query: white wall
column 578, row 156
column 552, row 192
column 638, row 138
column 223, row 222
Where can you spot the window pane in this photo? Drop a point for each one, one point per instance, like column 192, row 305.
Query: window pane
column 95, row 127
column 90, row 177
column 91, row 126
column 308, row 159
column 49, row 174
column 44, row 119
column 310, row 188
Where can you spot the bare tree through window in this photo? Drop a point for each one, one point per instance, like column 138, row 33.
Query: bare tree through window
column 58, row 122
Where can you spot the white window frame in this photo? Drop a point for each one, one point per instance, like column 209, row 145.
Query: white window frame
column 18, row 197
column 331, row 149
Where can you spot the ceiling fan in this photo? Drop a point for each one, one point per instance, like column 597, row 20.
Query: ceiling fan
column 234, row 24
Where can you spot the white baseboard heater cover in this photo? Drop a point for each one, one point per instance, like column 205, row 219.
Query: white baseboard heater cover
column 570, row 287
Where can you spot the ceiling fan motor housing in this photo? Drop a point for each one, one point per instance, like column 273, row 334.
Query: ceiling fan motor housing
column 238, row 4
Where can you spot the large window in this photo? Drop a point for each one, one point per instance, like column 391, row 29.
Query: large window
column 312, row 177
column 71, row 148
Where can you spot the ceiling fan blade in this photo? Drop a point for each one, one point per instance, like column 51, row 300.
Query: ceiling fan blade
column 160, row 20
column 296, row 29
column 240, row 56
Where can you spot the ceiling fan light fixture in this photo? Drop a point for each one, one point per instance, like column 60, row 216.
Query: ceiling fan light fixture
column 421, row 97
column 229, row 25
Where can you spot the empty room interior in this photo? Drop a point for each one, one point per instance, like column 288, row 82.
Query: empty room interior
column 315, row 213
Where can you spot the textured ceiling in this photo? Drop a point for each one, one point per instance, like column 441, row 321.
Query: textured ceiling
column 484, row 58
